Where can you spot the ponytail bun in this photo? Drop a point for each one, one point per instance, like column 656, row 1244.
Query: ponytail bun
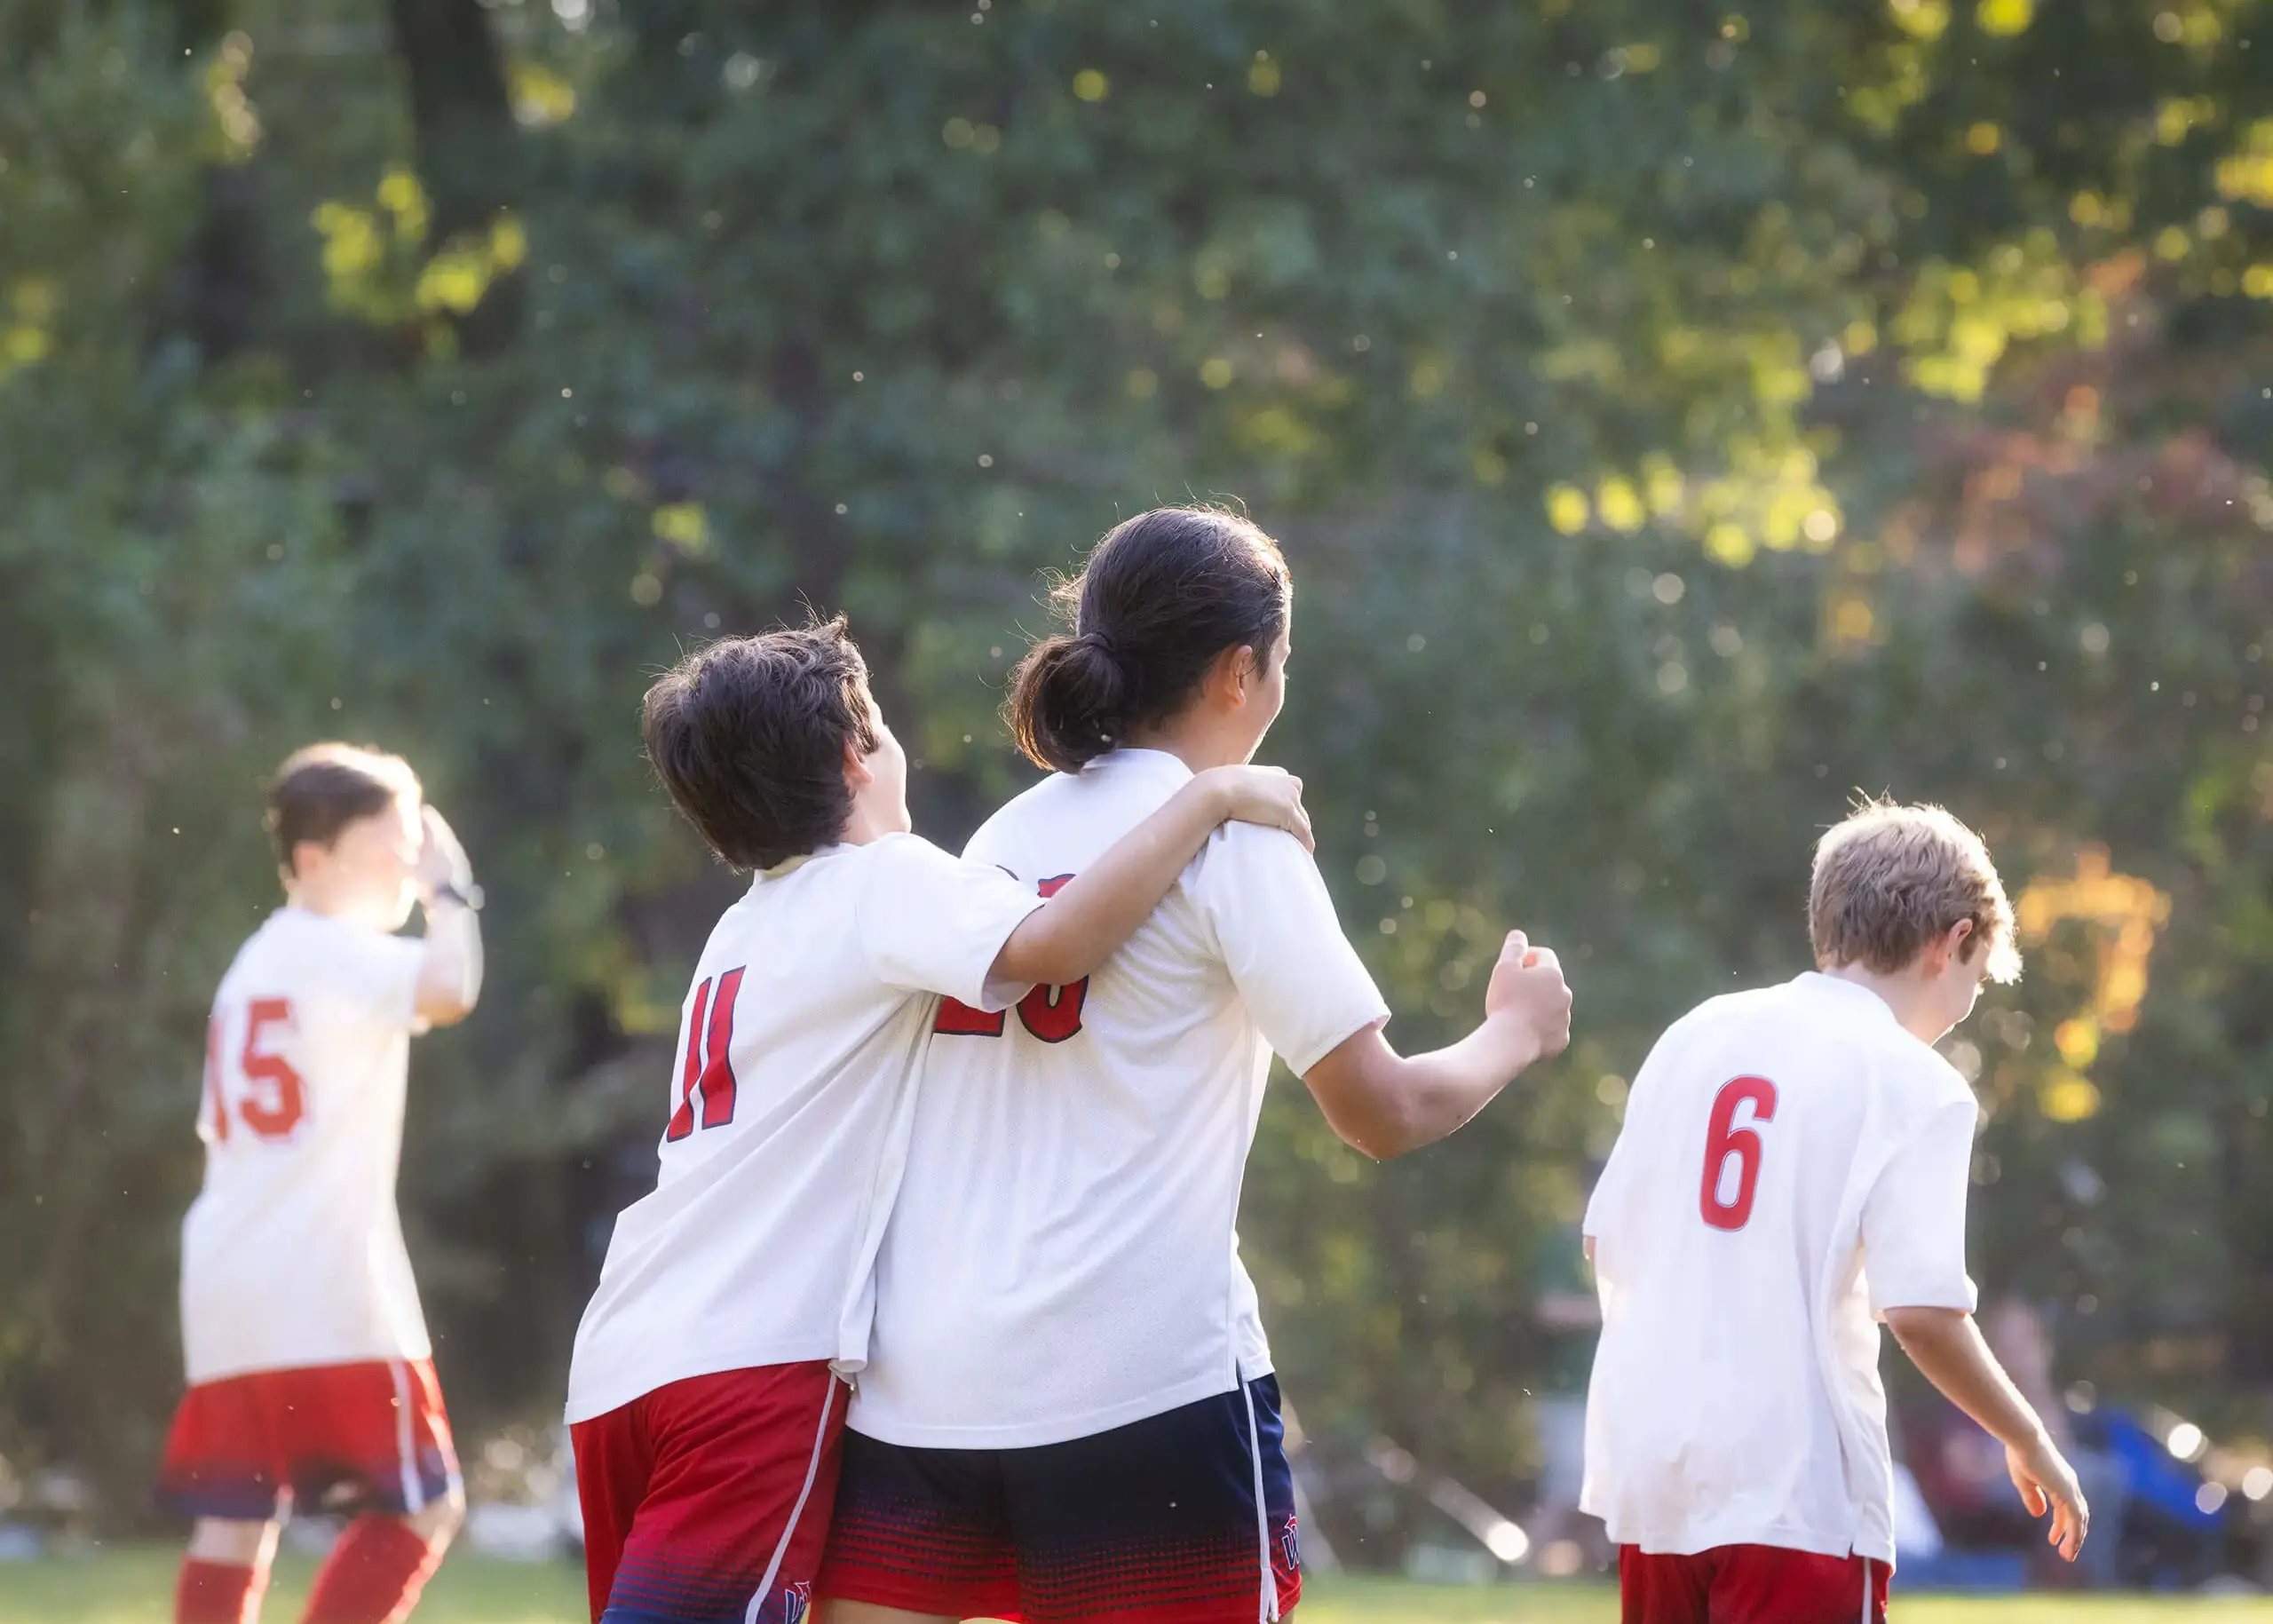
column 1161, row 599
column 1069, row 702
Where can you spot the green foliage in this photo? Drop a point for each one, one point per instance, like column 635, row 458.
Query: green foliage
column 1675, row 425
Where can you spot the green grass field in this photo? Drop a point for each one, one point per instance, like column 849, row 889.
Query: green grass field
column 136, row 1587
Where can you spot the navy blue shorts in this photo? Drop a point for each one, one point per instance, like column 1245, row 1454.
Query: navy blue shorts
column 1155, row 1521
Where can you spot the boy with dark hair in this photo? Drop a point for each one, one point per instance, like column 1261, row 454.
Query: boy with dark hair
column 704, row 1398
column 1791, row 1168
column 310, row 1375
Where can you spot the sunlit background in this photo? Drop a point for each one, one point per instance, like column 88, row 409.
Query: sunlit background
column 1678, row 421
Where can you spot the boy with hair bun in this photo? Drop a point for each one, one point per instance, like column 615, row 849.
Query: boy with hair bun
column 1791, row 1173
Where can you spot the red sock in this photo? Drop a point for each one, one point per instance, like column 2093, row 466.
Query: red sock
column 373, row 1575
column 217, row 1593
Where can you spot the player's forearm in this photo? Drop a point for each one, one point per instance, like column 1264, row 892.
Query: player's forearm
column 1949, row 1350
column 449, row 981
column 1079, row 928
column 1385, row 1103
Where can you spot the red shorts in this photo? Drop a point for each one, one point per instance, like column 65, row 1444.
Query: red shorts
column 370, row 1436
column 708, row 1494
column 1750, row 1584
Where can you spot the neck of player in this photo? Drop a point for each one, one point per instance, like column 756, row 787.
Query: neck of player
column 1917, row 1000
column 1202, row 736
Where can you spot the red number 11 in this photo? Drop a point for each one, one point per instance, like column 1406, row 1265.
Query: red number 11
column 1724, row 1139
column 710, row 1068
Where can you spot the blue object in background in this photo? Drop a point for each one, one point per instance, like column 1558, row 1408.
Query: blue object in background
column 2156, row 1478
column 1976, row 1571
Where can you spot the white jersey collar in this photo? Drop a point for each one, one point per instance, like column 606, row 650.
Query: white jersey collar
column 1831, row 986
column 1131, row 760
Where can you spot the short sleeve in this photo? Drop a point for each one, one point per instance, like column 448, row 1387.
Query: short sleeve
column 1275, row 925
column 934, row 924
column 1914, row 1222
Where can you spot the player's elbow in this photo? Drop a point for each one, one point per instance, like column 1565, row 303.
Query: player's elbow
column 1375, row 1124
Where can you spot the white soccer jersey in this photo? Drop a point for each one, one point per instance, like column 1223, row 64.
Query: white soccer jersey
column 788, row 1118
column 1063, row 1258
column 1791, row 1165
column 292, row 1253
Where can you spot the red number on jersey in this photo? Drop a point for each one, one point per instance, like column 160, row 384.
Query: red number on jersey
column 1724, row 1139
column 710, row 1067
column 959, row 1019
column 1051, row 1013
column 274, row 1106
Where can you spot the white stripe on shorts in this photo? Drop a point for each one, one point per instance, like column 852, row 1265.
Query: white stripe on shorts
column 781, row 1550
column 1267, row 1609
column 406, row 1448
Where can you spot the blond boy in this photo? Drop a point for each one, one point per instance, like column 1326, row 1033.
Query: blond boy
column 1790, row 1173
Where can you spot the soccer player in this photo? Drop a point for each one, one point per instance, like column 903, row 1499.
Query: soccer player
column 1793, row 1166
column 311, row 1380
column 703, row 1409
column 1071, row 1413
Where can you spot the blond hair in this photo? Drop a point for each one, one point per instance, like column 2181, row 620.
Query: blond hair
column 1892, row 878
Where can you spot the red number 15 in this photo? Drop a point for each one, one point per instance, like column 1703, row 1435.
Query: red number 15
column 1725, row 1140
column 275, row 1098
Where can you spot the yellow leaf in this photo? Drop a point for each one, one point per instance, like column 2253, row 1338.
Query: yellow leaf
column 2078, row 1040
column 1262, row 78
column 2066, row 1098
column 400, row 196
column 23, row 346
column 541, row 97
column 2005, row 16
column 682, row 524
column 1921, row 19
column 1620, row 505
column 1567, row 508
column 509, row 244
column 1729, row 544
column 453, row 280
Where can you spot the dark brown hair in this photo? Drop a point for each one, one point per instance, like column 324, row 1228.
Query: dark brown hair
column 748, row 736
column 321, row 788
column 1892, row 878
column 1161, row 596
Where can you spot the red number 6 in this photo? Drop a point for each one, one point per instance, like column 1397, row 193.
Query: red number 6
column 1724, row 1139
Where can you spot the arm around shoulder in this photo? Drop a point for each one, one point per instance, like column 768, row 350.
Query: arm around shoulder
column 1100, row 908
